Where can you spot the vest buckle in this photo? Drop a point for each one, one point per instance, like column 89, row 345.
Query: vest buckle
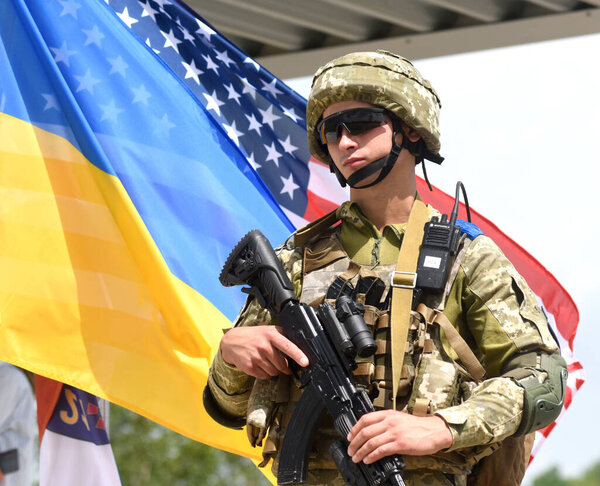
column 403, row 280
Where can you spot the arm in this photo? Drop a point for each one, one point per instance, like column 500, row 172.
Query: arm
column 498, row 314
column 230, row 380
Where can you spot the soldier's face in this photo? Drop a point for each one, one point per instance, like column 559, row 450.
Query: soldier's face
column 352, row 152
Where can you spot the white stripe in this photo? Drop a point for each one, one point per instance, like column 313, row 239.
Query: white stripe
column 324, row 184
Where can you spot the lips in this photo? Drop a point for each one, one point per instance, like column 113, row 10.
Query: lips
column 353, row 162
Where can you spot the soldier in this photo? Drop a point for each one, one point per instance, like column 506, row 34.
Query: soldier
column 477, row 363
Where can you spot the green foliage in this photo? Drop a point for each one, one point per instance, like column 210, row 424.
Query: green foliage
column 553, row 477
column 149, row 454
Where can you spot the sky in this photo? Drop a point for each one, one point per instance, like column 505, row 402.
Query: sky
column 518, row 127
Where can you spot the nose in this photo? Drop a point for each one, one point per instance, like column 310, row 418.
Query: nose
column 346, row 139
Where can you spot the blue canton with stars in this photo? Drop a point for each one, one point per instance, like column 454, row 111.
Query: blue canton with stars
column 264, row 117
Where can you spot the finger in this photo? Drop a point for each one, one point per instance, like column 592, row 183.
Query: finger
column 289, row 348
column 365, row 421
column 370, row 446
column 383, row 450
column 365, row 435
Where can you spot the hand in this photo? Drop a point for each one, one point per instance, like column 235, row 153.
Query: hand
column 387, row 432
column 255, row 350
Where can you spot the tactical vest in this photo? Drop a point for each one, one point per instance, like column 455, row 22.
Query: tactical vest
column 430, row 379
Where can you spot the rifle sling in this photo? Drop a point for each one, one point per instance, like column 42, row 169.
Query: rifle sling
column 403, row 283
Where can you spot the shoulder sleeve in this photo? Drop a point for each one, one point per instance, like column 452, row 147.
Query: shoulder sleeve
column 499, row 309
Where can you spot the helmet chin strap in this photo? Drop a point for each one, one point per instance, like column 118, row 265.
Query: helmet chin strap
column 384, row 164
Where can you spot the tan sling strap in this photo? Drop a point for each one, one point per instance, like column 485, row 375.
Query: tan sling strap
column 403, row 283
column 466, row 356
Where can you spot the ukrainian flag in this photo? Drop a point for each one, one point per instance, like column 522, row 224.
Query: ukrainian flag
column 120, row 200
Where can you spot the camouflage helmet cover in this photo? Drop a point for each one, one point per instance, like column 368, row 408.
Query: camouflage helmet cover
column 380, row 78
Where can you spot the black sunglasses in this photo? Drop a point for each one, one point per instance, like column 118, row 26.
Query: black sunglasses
column 355, row 121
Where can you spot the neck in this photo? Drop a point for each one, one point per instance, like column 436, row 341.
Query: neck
column 391, row 200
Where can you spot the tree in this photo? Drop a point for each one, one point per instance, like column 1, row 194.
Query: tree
column 149, row 454
column 553, row 477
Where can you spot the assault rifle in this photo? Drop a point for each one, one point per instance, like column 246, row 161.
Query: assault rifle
column 327, row 381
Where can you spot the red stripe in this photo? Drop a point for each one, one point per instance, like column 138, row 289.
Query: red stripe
column 575, row 366
column 568, row 397
column 317, row 206
column 47, row 392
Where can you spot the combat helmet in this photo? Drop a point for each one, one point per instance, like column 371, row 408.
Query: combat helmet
column 389, row 81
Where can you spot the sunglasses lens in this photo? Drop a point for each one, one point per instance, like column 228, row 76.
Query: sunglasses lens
column 355, row 121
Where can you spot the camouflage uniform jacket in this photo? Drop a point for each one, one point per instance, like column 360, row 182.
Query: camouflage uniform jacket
column 489, row 304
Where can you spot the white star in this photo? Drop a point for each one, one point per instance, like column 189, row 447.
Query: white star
column 62, row 54
column 69, row 8
column 289, row 185
column 51, row 101
column 270, row 87
column 162, row 3
column 110, row 111
column 255, row 165
column 163, row 126
column 94, row 36
column 233, row 133
column 86, row 82
column 171, row 40
column 233, row 94
column 186, row 34
column 268, row 116
column 291, row 113
column 248, row 88
column 192, row 71
column 118, row 66
column 204, row 30
column 254, row 123
column 126, row 19
column 141, row 95
column 249, row 60
column 210, row 64
column 149, row 11
column 273, row 154
column 287, row 145
column 156, row 51
column 224, row 58
column 213, row 102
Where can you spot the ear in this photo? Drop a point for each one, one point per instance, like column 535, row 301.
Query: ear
column 411, row 133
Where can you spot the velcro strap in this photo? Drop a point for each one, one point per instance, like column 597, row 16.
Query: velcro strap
column 426, row 312
column 380, row 372
column 370, row 316
column 383, row 322
column 421, row 407
column 382, row 346
column 364, row 369
column 428, row 346
column 352, row 271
